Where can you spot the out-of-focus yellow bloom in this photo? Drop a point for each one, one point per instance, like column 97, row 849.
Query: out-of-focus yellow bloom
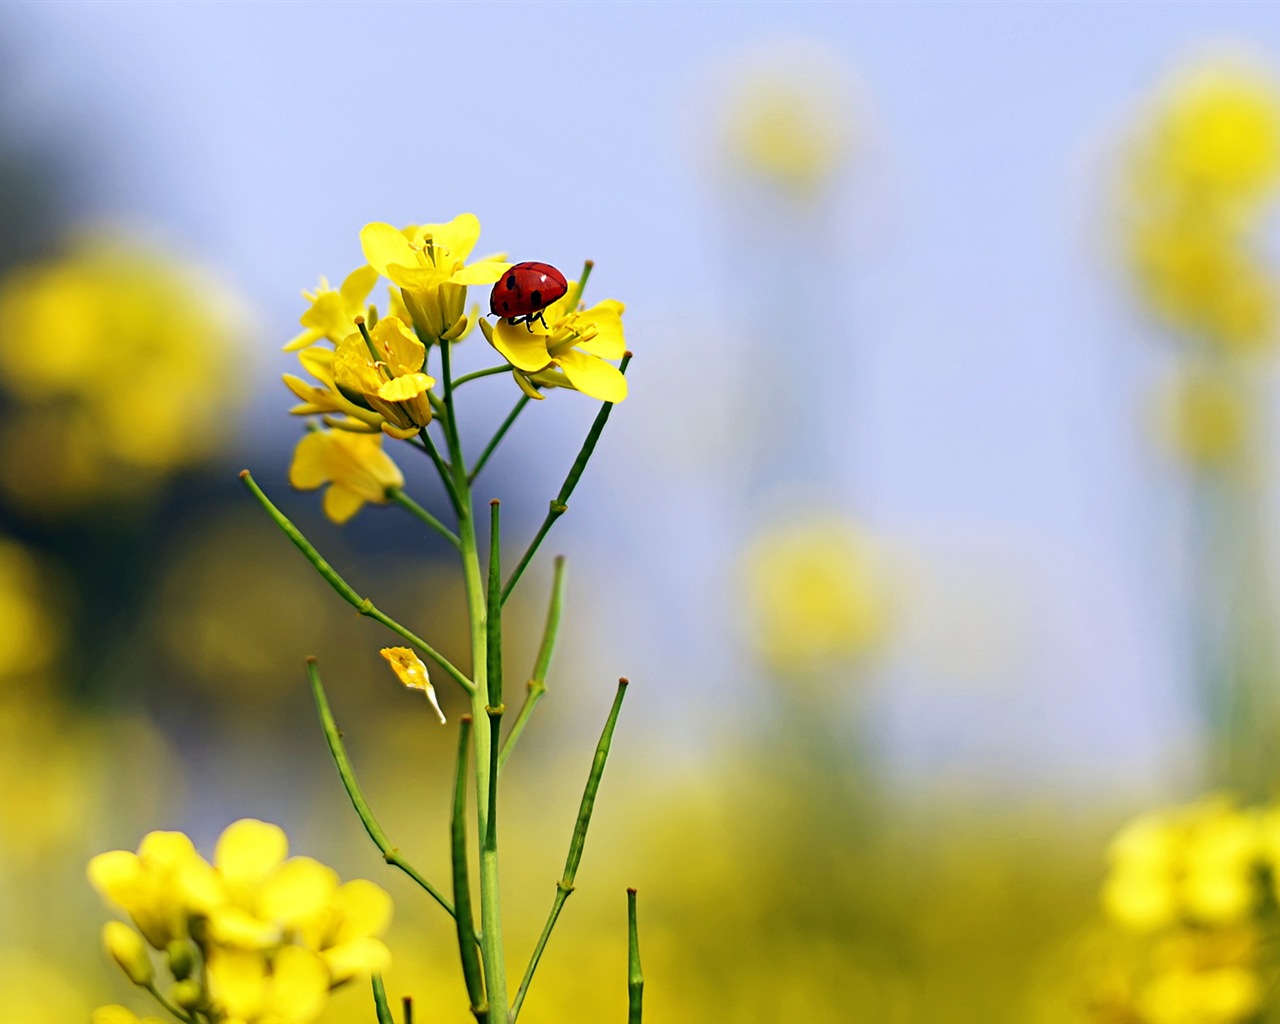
column 129, row 951
column 292, row 986
column 571, row 352
column 130, row 352
column 410, row 670
column 392, row 384
column 1200, row 174
column 114, row 1014
column 1197, row 864
column 813, row 595
column 428, row 263
column 332, row 313
column 354, row 465
column 161, row 887
column 1204, row 415
column 31, row 633
column 791, row 129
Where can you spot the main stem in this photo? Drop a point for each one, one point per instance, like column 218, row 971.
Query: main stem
column 490, row 905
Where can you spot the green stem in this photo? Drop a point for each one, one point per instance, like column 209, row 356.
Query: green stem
column 537, row 685
column 635, row 976
column 411, row 506
column 461, row 886
column 493, row 645
column 476, row 375
column 380, row 1006
column 496, row 440
column 443, row 468
column 361, row 604
column 560, row 503
column 565, row 886
column 181, row 1014
column 338, row 751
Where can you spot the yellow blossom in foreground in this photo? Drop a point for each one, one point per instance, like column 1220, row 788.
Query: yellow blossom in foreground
column 354, row 465
column 410, row 670
column 813, row 595
column 325, row 399
column 428, row 263
column 1196, row 864
column 392, row 384
column 569, row 350
column 332, row 313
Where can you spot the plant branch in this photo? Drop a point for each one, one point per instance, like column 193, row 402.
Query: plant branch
column 537, row 685
column 471, row 971
column 494, row 441
column 416, row 510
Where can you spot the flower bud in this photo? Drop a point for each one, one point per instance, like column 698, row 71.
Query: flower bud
column 129, row 951
column 182, row 959
column 187, row 993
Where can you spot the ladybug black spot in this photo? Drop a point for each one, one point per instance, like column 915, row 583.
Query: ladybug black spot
column 535, row 297
column 511, row 282
column 506, row 307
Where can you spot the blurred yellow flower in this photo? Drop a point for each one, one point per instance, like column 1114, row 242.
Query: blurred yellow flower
column 129, row 951
column 31, row 633
column 131, row 353
column 576, row 344
column 391, row 383
column 428, row 263
column 332, row 313
column 790, row 128
column 411, row 671
column 813, row 595
column 1206, row 162
column 1204, row 415
column 354, row 465
column 114, row 1014
column 1196, row 864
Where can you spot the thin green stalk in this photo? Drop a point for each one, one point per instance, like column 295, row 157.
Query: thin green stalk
column 361, row 604
column 461, row 887
column 182, row 1015
column 380, row 1006
column 407, row 1003
column 412, row 507
column 635, row 976
column 565, row 886
column 442, row 468
column 496, row 440
column 493, row 645
column 338, row 751
column 537, row 685
column 477, row 374
column 560, row 503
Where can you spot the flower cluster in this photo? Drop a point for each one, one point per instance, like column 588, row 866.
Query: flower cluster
column 120, row 362
column 1192, row 887
column 369, row 374
column 1202, row 176
column 252, row 937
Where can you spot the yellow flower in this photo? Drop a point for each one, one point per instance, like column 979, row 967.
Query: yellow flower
column 114, row 1014
column 428, row 263
column 392, row 385
column 570, row 352
column 354, row 465
column 813, row 595
column 326, row 399
column 162, row 886
column 290, row 988
column 410, row 670
column 332, row 313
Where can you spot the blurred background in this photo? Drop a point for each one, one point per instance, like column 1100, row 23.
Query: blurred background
column 936, row 535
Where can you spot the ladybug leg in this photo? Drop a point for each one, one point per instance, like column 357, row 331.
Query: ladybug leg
column 542, row 319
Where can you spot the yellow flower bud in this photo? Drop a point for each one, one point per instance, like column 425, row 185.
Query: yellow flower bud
column 129, row 951
column 182, row 958
column 187, row 993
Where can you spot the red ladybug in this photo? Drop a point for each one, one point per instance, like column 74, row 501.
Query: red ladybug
column 525, row 291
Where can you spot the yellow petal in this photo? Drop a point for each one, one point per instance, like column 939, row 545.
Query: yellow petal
column 317, row 360
column 385, row 246
column 302, row 340
column 113, row 1015
column 407, row 666
column 459, row 236
column 354, row 370
column 527, row 386
column 116, row 875
column 401, row 389
column 238, row 981
column 249, row 850
column 522, row 348
column 357, row 286
column 485, row 272
column 236, row 928
column 363, row 909
column 593, row 376
column 299, row 987
column 355, row 461
column 129, row 951
column 360, row 956
column 398, row 346
column 341, row 503
column 607, row 318
column 299, row 892
column 165, row 850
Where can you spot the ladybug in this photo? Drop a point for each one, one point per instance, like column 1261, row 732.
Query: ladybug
column 525, row 291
